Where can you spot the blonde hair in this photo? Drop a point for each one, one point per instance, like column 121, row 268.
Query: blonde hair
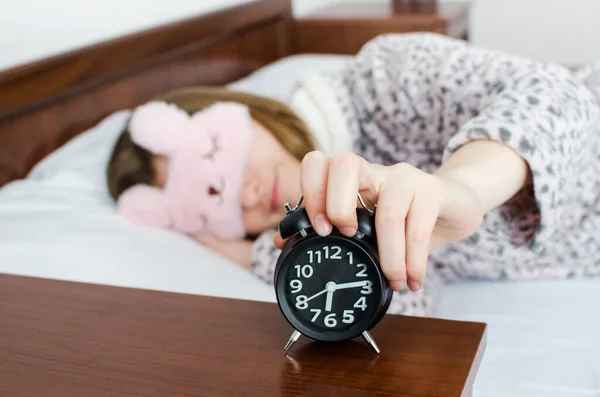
column 131, row 164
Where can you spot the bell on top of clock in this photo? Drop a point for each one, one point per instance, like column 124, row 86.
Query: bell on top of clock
column 330, row 288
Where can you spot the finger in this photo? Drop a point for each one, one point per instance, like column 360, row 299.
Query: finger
column 278, row 241
column 392, row 207
column 349, row 174
column 420, row 222
column 313, row 182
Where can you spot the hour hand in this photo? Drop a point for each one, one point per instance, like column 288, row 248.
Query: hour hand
column 330, row 287
column 329, row 300
column 351, row 285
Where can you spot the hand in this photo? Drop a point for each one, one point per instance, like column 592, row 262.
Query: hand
column 416, row 211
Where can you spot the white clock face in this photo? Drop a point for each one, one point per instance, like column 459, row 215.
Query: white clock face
column 332, row 286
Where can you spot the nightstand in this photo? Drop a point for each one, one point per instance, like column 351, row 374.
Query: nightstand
column 345, row 28
column 61, row 338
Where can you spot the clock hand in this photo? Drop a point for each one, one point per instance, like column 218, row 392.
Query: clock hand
column 330, row 288
column 351, row 285
column 317, row 294
column 329, row 300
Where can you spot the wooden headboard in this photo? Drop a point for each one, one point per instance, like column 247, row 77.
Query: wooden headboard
column 46, row 103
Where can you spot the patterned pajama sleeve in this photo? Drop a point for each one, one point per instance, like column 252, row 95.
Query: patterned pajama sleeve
column 264, row 256
column 417, row 98
column 544, row 114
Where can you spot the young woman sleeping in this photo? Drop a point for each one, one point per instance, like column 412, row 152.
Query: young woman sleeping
column 482, row 165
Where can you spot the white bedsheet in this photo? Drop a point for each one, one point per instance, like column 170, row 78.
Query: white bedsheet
column 544, row 337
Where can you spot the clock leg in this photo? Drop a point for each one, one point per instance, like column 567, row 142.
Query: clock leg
column 293, row 338
column 370, row 341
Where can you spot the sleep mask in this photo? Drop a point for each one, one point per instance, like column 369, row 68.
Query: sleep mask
column 206, row 154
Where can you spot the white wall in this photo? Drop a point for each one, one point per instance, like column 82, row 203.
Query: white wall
column 565, row 31
column 33, row 29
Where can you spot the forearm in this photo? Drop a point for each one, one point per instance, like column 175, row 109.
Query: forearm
column 238, row 251
column 494, row 172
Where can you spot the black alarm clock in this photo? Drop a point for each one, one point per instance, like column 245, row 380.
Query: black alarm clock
column 330, row 288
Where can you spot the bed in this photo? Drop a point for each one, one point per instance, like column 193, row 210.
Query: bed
column 60, row 116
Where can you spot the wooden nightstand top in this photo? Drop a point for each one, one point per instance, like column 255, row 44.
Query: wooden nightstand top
column 64, row 339
column 368, row 10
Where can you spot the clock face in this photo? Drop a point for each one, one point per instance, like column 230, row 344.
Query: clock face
column 329, row 288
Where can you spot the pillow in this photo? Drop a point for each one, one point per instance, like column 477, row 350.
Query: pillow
column 86, row 156
column 277, row 79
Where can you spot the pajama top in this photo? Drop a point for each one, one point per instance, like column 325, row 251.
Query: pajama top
column 418, row 97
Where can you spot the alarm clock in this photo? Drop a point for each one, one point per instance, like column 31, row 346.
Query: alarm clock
column 330, row 288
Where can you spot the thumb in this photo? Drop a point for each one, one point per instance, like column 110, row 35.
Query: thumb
column 278, row 241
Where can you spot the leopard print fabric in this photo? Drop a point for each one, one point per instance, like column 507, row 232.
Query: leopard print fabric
column 417, row 98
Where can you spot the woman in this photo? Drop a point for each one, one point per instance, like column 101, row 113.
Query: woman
column 482, row 165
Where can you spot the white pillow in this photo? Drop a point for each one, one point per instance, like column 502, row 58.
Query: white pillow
column 277, row 79
column 85, row 155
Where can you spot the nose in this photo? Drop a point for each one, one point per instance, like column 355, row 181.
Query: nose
column 250, row 194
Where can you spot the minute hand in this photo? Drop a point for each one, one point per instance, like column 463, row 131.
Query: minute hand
column 351, row 285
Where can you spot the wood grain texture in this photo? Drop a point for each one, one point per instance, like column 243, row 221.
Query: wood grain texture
column 69, row 339
column 349, row 26
column 45, row 104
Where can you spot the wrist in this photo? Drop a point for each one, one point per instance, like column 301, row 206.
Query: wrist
column 493, row 172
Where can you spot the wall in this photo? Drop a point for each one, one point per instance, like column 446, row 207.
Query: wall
column 33, row 29
column 563, row 31
column 304, row 7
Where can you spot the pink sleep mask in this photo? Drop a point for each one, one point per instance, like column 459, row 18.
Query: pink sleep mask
column 206, row 155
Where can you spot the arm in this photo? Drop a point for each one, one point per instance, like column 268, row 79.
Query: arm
column 501, row 123
column 259, row 256
column 493, row 171
column 237, row 251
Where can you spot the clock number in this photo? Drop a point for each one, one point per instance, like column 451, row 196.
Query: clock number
column 348, row 316
column 296, row 285
column 317, row 312
column 361, row 303
column 306, row 271
column 350, row 257
column 337, row 254
column 311, row 255
column 366, row 289
column 301, row 302
column 330, row 320
column 363, row 272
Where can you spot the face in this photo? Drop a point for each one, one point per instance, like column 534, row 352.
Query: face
column 272, row 178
